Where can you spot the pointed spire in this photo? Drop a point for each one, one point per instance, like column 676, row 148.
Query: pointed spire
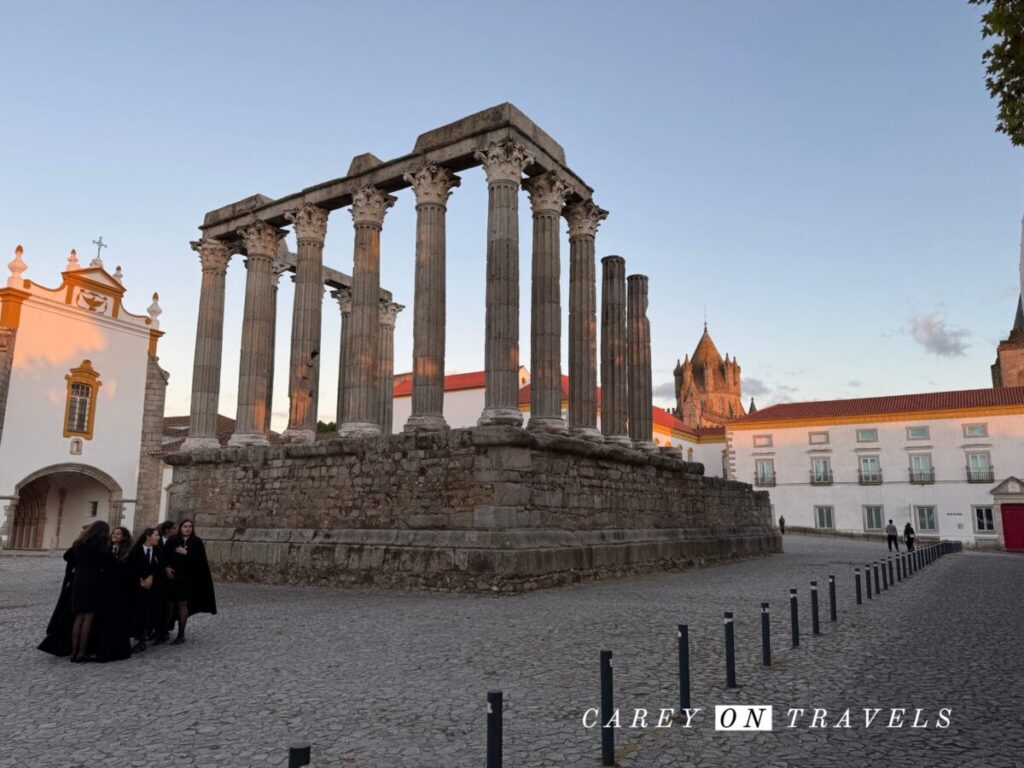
column 72, row 264
column 1018, row 320
column 752, row 408
column 17, row 267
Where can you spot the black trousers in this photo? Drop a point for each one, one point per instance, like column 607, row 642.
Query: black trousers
column 894, row 543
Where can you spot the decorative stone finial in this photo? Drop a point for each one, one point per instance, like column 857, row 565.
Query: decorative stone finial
column 310, row 222
column 72, row 264
column 154, row 311
column 432, row 184
column 118, row 275
column 584, row 218
column 97, row 262
column 17, row 268
column 369, row 205
column 504, row 161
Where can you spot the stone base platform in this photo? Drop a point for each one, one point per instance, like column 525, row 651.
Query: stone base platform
column 495, row 509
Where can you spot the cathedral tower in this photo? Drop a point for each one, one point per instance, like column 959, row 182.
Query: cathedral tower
column 1008, row 370
column 708, row 387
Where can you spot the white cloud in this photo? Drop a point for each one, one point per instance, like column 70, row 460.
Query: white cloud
column 932, row 333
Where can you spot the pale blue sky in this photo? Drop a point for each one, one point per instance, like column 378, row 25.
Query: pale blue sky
column 817, row 174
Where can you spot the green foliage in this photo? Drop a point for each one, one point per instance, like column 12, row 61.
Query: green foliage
column 1004, row 21
column 326, row 426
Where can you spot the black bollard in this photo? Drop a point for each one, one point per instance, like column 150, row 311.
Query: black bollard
column 856, row 581
column 832, row 598
column 815, row 629
column 766, row 636
column 878, row 579
column 494, row 709
column 885, row 578
column 794, row 618
column 730, row 652
column 899, row 571
column 891, row 579
column 684, row 666
column 607, row 708
column 298, row 755
column 867, row 579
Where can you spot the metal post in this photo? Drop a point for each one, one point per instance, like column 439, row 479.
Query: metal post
column 766, row 636
column 494, row 710
column 815, row 628
column 794, row 619
column 684, row 667
column 891, row 579
column 885, row 577
column 856, row 581
column 730, row 652
column 607, row 709
column 867, row 579
column 298, row 755
column 878, row 579
column 899, row 570
column 832, row 598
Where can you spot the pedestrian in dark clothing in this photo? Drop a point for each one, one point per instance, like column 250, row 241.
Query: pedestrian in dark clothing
column 782, row 525
column 113, row 623
column 91, row 553
column 893, row 539
column 192, row 585
column 168, row 531
column 144, row 566
column 58, row 631
column 909, row 536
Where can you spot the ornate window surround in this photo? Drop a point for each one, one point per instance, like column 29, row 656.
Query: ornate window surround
column 84, row 374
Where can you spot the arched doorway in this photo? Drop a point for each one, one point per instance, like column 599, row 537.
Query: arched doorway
column 54, row 503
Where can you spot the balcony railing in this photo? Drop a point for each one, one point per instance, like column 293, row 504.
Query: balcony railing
column 987, row 475
column 821, row 477
column 922, row 476
column 869, row 476
column 765, row 480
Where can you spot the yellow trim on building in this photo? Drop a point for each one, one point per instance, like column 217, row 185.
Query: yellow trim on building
column 945, row 413
column 11, row 300
column 87, row 375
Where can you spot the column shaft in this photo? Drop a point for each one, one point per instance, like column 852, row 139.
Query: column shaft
column 386, row 360
column 362, row 377
column 503, row 163
column 214, row 257
column 613, row 349
column 257, row 335
column 268, row 411
column 344, row 297
column 638, row 343
column 304, row 372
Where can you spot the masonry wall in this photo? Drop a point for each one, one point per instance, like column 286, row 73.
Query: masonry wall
column 477, row 509
column 149, row 491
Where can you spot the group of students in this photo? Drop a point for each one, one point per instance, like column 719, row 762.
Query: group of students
column 117, row 596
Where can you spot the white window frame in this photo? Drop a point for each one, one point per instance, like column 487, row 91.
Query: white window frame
column 980, row 430
column 818, row 509
column 827, row 477
column 925, row 436
column 764, row 478
column 817, row 438
column 881, row 517
column 992, row 515
column 988, row 459
column 877, row 470
column 862, row 439
column 762, row 441
column 935, row 516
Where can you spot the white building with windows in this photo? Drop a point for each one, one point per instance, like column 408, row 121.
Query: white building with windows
column 81, row 406
column 852, row 465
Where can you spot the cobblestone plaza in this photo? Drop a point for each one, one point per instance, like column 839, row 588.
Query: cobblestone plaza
column 375, row 678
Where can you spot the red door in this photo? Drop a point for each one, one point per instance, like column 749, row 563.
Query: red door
column 1013, row 526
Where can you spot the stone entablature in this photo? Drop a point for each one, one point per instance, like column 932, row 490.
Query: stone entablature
column 486, row 509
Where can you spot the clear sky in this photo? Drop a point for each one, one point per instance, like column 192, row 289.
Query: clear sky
column 823, row 177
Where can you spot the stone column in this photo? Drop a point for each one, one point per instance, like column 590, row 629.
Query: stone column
column 547, row 198
column 304, row 372
column 584, row 218
column 432, row 185
column 386, row 382
column 213, row 256
column 257, row 334
column 268, row 411
column 638, row 345
column 613, row 350
column 503, row 163
column 369, row 205
column 344, row 298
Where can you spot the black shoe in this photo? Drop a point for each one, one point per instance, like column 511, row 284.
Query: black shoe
column 178, row 640
column 161, row 639
column 139, row 647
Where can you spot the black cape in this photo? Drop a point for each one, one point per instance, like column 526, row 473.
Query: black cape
column 114, row 622
column 58, row 631
column 192, row 578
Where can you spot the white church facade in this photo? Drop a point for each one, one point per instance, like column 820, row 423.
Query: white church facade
column 81, row 406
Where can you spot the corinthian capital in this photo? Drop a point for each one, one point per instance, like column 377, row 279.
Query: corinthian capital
column 584, row 218
column 504, row 161
column 260, row 239
column 213, row 255
column 547, row 192
column 369, row 205
column 344, row 298
column 432, row 184
column 310, row 222
column 389, row 313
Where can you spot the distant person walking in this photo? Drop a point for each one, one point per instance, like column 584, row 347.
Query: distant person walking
column 909, row 536
column 890, row 534
column 782, row 524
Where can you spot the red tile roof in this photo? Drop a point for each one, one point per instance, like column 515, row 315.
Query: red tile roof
column 890, row 404
column 452, row 382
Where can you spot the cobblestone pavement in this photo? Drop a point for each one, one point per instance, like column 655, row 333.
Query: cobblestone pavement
column 400, row 679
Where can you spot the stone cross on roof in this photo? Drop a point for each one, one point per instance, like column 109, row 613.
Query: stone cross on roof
column 98, row 262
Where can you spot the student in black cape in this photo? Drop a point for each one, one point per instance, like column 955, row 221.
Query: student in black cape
column 91, row 552
column 58, row 631
column 144, row 566
column 113, row 624
column 168, row 531
column 192, row 585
